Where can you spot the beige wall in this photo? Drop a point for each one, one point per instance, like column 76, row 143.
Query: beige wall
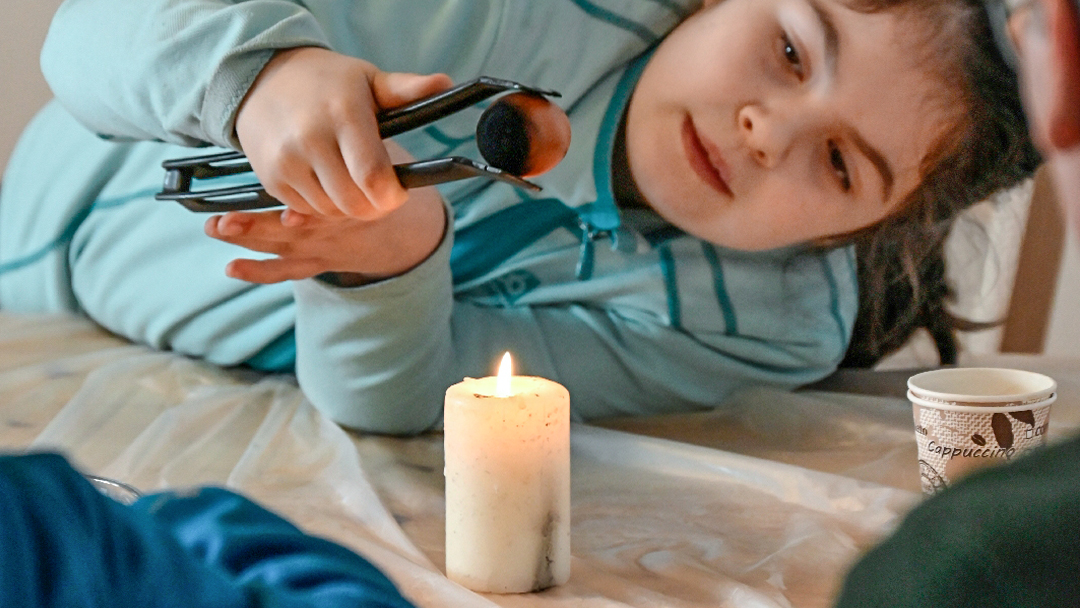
column 22, row 88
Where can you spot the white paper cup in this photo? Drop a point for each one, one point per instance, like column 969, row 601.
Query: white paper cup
column 967, row 418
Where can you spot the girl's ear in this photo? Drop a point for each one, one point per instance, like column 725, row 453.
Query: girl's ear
column 1063, row 25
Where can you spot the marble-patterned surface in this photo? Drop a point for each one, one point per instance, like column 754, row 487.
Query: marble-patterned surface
column 764, row 502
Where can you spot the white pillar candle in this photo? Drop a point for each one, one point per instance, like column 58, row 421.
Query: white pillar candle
column 507, row 483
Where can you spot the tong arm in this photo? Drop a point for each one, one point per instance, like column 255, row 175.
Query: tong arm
column 180, row 173
column 253, row 196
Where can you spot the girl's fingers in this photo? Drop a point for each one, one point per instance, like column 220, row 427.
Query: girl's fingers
column 274, row 270
column 257, row 231
column 299, row 177
column 309, row 127
column 292, row 219
column 225, row 226
column 393, row 89
column 239, row 223
column 308, row 185
column 343, row 191
column 380, row 192
column 368, row 166
column 290, row 197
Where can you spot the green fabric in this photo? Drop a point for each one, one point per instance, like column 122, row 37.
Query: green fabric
column 1004, row 537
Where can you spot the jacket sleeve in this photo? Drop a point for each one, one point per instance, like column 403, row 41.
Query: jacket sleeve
column 177, row 70
column 163, row 70
column 380, row 357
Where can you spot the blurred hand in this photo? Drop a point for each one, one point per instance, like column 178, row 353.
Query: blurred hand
column 308, row 128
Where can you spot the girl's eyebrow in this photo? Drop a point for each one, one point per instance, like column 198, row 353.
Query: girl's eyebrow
column 876, row 159
column 832, row 49
column 828, row 27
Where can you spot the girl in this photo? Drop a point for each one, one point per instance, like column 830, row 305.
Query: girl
column 695, row 240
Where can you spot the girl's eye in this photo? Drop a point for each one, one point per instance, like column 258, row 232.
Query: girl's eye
column 836, row 160
column 791, row 55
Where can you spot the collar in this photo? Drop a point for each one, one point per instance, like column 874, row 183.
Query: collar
column 603, row 215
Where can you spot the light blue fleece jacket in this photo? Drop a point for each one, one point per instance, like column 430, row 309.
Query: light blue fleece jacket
column 633, row 316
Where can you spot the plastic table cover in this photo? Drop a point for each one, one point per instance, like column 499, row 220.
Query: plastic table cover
column 763, row 502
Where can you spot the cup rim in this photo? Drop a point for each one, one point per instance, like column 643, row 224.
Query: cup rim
column 1019, row 401
column 965, row 404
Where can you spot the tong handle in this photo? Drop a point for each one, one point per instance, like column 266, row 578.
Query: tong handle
column 253, row 196
column 179, row 173
column 429, row 109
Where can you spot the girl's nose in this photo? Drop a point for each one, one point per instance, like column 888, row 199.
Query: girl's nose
column 765, row 134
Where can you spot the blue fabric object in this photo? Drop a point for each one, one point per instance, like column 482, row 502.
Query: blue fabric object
column 63, row 544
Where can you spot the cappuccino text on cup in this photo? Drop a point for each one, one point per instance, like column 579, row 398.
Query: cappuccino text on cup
column 968, row 418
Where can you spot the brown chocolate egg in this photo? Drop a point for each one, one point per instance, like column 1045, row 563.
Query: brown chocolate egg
column 523, row 134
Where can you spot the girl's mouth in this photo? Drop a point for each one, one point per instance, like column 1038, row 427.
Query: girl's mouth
column 708, row 166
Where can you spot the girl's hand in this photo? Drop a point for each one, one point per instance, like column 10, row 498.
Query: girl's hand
column 355, row 251
column 308, row 128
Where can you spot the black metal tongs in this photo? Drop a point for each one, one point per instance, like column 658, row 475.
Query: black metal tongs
column 181, row 173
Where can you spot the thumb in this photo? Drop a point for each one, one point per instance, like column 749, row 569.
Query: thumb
column 393, row 89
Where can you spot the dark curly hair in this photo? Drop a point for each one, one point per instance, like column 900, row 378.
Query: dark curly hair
column 901, row 265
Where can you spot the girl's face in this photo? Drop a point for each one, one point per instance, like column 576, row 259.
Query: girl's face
column 764, row 123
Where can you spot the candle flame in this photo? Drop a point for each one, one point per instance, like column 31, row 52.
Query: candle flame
column 502, row 381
